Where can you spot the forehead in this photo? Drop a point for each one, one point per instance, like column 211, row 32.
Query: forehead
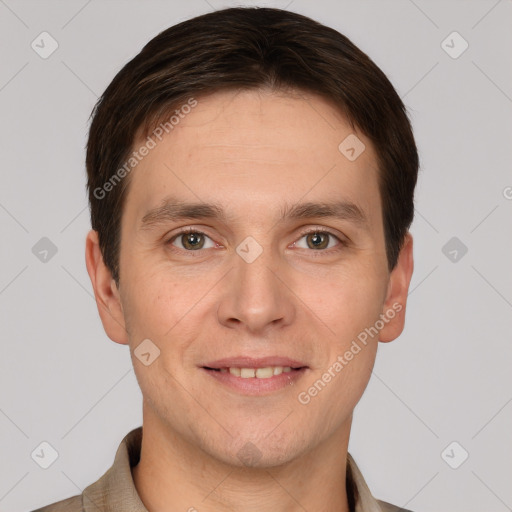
column 266, row 147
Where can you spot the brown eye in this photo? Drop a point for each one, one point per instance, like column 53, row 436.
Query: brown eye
column 192, row 241
column 317, row 240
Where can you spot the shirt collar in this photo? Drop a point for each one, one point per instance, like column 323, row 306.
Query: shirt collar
column 115, row 490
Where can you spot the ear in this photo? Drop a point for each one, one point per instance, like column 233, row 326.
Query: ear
column 398, row 289
column 105, row 291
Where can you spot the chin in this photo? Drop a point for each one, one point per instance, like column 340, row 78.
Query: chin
column 263, row 452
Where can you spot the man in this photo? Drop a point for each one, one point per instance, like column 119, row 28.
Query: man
column 251, row 177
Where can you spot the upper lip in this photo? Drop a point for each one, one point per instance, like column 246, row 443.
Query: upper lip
column 254, row 362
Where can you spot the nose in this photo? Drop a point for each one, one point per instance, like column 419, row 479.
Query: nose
column 256, row 296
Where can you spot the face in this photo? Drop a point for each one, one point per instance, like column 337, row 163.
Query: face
column 250, row 241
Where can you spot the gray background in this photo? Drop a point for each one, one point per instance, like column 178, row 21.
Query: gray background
column 447, row 378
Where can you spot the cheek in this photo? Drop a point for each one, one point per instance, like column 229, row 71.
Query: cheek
column 328, row 400
column 345, row 303
column 155, row 303
column 171, row 315
column 354, row 378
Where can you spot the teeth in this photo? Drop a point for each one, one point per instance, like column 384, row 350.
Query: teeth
column 259, row 373
column 264, row 373
column 247, row 373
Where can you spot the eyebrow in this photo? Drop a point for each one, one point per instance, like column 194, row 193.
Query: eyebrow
column 173, row 210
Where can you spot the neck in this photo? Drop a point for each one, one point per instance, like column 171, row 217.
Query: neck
column 174, row 474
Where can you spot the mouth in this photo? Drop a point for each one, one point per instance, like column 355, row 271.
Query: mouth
column 266, row 372
column 251, row 376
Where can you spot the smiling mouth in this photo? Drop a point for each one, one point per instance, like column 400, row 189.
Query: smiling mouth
column 256, row 373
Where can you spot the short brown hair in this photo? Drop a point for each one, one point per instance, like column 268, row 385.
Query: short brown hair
column 247, row 48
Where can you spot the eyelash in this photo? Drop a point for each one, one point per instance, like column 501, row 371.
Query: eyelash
column 341, row 245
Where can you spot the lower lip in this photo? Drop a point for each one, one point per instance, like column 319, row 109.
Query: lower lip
column 254, row 386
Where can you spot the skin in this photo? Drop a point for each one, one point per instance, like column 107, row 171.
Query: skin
column 251, row 152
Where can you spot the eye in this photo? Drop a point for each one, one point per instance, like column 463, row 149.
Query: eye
column 191, row 240
column 317, row 240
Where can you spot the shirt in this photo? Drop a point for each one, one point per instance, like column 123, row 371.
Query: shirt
column 115, row 490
